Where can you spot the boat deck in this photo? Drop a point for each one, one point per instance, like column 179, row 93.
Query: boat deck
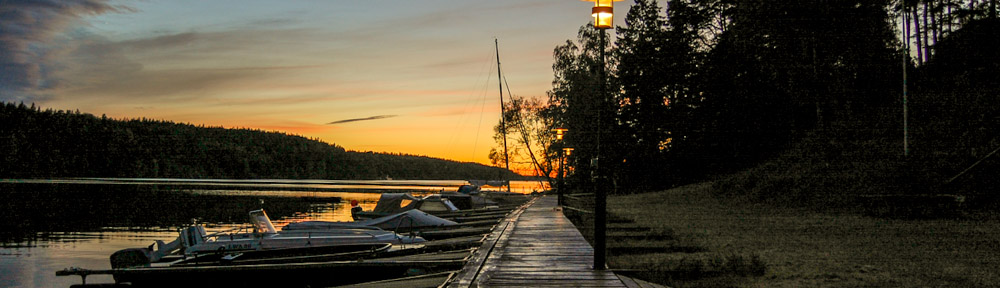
column 536, row 247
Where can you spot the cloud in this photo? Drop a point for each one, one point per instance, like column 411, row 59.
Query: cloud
column 27, row 28
column 171, row 67
column 361, row 119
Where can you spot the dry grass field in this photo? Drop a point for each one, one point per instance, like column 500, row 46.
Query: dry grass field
column 707, row 242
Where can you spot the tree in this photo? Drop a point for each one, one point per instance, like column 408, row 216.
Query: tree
column 657, row 56
column 642, row 71
column 575, row 101
column 787, row 66
column 531, row 134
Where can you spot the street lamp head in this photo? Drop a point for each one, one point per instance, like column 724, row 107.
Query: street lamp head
column 560, row 132
column 603, row 13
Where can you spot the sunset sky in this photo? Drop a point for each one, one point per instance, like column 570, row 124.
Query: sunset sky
column 414, row 77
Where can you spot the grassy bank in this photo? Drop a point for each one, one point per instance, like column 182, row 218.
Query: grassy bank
column 760, row 245
column 838, row 207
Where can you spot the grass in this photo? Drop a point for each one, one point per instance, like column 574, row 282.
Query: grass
column 840, row 206
column 763, row 245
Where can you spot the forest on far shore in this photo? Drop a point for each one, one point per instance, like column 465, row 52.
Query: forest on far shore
column 36, row 143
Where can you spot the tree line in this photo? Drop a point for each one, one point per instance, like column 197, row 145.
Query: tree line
column 36, row 143
column 701, row 87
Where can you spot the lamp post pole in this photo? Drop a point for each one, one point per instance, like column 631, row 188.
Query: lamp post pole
column 603, row 13
column 560, row 133
column 600, row 204
column 559, row 183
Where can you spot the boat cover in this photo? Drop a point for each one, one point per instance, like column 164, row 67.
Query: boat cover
column 394, row 203
column 469, row 189
column 436, row 203
column 406, row 219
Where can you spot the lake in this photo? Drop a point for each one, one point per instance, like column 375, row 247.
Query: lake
column 49, row 225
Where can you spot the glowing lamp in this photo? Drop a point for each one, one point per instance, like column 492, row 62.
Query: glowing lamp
column 603, row 13
column 560, row 132
column 568, row 151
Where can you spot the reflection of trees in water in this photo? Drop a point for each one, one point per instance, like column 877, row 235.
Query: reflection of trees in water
column 30, row 208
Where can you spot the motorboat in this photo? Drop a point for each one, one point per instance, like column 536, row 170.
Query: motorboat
column 392, row 203
column 406, row 220
column 194, row 242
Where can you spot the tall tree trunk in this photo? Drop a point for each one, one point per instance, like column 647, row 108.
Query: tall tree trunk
column 916, row 27
column 927, row 40
column 971, row 15
column 906, row 31
column 951, row 19
column 993, row 9
column 935, row 25
column 936, row 20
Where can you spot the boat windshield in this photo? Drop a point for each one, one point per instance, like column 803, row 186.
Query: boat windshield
column 261, row 224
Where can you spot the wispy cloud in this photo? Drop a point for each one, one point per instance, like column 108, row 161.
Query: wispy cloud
column 26, row 64
column 361, row 119
column 170, row 67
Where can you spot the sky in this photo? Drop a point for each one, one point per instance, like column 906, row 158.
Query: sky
column 413, row 77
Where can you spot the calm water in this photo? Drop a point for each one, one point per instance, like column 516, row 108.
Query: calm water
column 49, row 225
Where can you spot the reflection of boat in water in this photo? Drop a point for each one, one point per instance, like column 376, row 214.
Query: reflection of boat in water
column 195, row 243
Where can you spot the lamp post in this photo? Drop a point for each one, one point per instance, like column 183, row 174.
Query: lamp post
column 559, row 184
column 603, row 13
column 565, row 151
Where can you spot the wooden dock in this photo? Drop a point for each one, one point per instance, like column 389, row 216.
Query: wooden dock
column 535, row 247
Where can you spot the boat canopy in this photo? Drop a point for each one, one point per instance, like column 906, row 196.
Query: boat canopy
column 394, row 203
column 436, row 203
column 261, row 223
column 391, row 203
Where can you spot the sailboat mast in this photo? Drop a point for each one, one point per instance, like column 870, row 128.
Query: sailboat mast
column 503, row 125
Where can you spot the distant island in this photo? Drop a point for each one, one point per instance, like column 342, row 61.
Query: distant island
column 36, row 143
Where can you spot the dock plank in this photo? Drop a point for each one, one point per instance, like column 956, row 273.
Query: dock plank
column 538, row 247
